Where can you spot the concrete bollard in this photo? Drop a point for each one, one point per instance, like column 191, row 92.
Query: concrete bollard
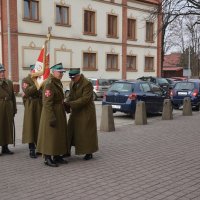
column 107, row 120
column 167, row 110
column 187, row 107
column 140, row 113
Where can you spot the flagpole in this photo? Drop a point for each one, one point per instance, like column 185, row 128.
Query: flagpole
column 48, row 39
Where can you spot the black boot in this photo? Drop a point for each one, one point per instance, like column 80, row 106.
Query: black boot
column 48, row 161
column 59, row 159
column 32, row 153
column 88, row 157
column 5, row 150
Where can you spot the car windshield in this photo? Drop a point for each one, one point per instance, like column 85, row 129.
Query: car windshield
column 101, row 82
column 184, row 86
column 162, row 80
column 121, row 87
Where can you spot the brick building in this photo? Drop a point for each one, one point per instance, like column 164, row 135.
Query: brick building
column 105, row 38
column 171, row 65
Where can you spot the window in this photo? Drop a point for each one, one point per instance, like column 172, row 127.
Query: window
column 156, row 89
column 131, row 32
column 89, row 22
column 112, row 26
column 62, row 15
column 31, row 10
column 89, row 61
column 149, row 62
column 112, row 61
column 149, row 31
column 145, row 87
column 131, row 63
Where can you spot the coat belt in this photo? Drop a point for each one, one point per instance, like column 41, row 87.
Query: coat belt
column 5, row 99
column 31, row 98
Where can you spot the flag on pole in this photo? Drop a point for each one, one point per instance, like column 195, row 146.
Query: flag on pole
column 41, row 71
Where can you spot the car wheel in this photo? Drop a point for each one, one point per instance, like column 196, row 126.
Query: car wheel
column 133, row 115
column 175, row 106
column 197, row 108
column 94, row 96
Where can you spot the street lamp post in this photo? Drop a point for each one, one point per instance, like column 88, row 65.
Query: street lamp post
column 189, row 70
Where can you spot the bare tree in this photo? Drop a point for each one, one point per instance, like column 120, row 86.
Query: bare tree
column 173, row 13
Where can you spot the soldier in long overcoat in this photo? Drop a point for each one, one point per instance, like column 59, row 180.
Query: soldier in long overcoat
column 32, row 99
column 82, row 126
column 52, row 138
column 8, row 110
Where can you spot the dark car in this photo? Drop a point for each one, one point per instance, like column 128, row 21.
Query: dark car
column 162, row 82
column 124, row 95
column 190, row 88
column 171, row 82
column 112, row 80
column 99, row 87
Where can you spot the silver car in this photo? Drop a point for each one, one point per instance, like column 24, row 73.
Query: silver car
column 100, row 87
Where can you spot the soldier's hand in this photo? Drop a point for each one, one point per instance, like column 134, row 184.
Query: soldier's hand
column 52, row 123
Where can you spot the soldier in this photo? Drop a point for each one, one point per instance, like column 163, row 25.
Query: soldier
column 52, row 138
column 32, row 99
column 82, row 126
column 8, row 110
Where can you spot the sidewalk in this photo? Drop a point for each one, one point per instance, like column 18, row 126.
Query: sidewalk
column 158, row 161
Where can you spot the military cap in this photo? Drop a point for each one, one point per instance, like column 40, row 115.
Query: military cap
column 2, row 68
column 58, row 67
column 32, row 67
column 73, row 72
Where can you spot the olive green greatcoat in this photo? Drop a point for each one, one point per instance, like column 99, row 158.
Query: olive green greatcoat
column 32, row 110
column 52, row 140
column 7, row 111
column 82, row 126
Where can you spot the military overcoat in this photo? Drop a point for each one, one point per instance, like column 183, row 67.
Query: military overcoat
column 82, row 126
column 7, row 111
column 32, row 99
column 53, row 140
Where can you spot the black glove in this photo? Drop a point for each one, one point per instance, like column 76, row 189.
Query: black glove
column 67, row 107
column 52, row 123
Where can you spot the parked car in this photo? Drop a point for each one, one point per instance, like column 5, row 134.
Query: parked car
column 179, row 78
column 100, row 86
column 124, row 95
column 162, row 82
column 171, row 82
column 190, row 88
column 111, row 81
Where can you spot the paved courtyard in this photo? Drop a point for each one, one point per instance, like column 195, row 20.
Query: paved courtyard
column 157, row 161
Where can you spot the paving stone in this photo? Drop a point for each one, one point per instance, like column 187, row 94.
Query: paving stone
column 158, row 161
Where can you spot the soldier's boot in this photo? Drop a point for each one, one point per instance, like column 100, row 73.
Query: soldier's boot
column 32, row 153
column 88, row 156
column 5, row 150
column 49, row 162
column 59, row 159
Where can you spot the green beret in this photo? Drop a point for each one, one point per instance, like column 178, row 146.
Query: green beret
column 73, row 72
column 58, row 67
